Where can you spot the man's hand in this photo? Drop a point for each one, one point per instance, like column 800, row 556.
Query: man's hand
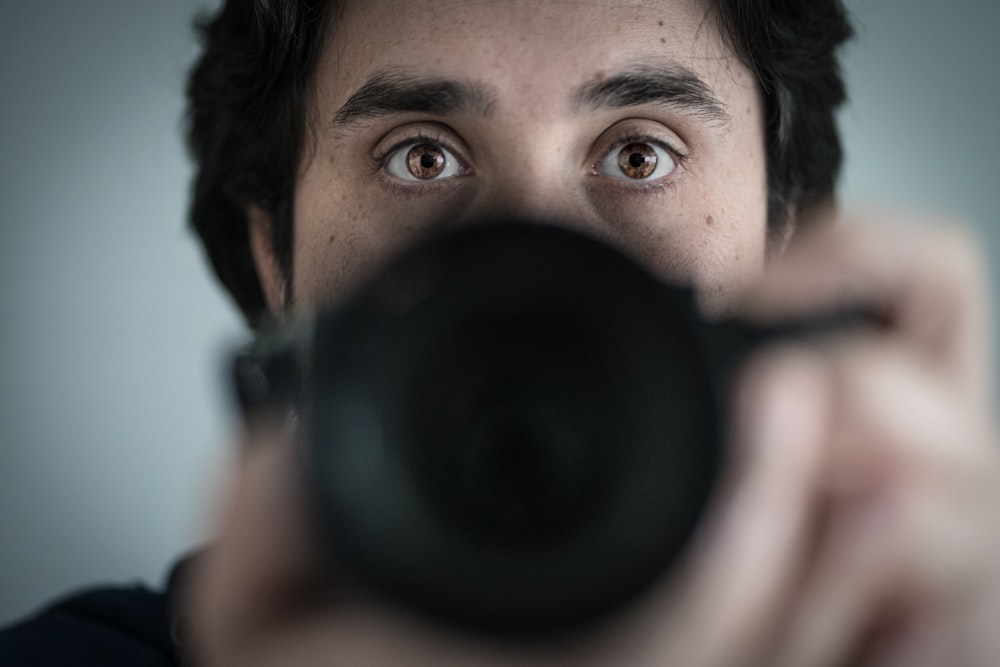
column 857, row 524
column 901, row 566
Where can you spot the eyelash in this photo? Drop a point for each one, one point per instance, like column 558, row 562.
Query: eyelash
column 676, row 153
column 679, row 157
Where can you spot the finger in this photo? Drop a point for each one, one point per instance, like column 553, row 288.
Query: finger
column 882, row 587
column 257, row 602
column 929, row 282
column 897, row 423
column 828, row 624
column 912, row 485
column 742, row 568
column 264, row 561
column 928, row 640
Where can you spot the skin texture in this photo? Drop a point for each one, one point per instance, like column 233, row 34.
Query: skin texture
column 858, row 521
column 534, row 155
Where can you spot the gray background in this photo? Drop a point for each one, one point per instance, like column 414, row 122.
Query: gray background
column 113, row 420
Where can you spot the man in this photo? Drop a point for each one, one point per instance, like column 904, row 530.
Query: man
column 858, row 521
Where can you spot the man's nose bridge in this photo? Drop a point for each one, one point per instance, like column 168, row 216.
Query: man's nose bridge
column 542, row 192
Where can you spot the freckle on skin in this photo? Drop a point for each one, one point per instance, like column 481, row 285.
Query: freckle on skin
column 709, row 221
column 660, row 23
column 663, row 40
column 599, row 76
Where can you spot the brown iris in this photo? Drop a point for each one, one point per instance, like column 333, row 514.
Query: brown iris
column 425, row 161
column 637, row 160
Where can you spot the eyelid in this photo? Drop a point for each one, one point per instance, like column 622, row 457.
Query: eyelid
column 639, row 130
column 645, row 131
column 421, row 133
column 640, row 138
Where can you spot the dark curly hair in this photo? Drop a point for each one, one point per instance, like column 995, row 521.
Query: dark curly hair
column 247, row 96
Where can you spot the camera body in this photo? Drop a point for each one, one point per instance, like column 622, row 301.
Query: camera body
column 514, row 428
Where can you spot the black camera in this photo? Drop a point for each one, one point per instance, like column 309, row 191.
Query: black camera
column 514, row 428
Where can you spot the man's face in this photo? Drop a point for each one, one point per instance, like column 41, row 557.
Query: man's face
column 627, row 119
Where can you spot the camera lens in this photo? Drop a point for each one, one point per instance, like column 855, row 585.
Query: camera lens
column 512, row 428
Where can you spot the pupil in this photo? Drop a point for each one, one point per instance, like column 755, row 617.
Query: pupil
column 425, row 161
column 637, row 161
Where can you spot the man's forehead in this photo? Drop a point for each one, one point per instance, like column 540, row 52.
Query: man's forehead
column 510, row 45
column 517, row 10
column 421, row 30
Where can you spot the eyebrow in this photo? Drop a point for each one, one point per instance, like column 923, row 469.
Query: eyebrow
column 401, row 91
column 646, row 84
column 398, row 91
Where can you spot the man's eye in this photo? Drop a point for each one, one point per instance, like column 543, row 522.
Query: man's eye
column 638, row 161
column 423, row 162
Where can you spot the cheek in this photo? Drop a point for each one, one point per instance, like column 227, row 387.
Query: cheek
column 732, row 252
column 334, row 240
column 347, row 227
column 734, row 224
column 731, row 263
column 702, row 234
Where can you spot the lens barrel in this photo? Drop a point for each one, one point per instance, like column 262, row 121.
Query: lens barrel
column 515, row 428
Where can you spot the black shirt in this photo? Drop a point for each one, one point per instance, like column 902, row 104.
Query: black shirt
column 106, row 627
